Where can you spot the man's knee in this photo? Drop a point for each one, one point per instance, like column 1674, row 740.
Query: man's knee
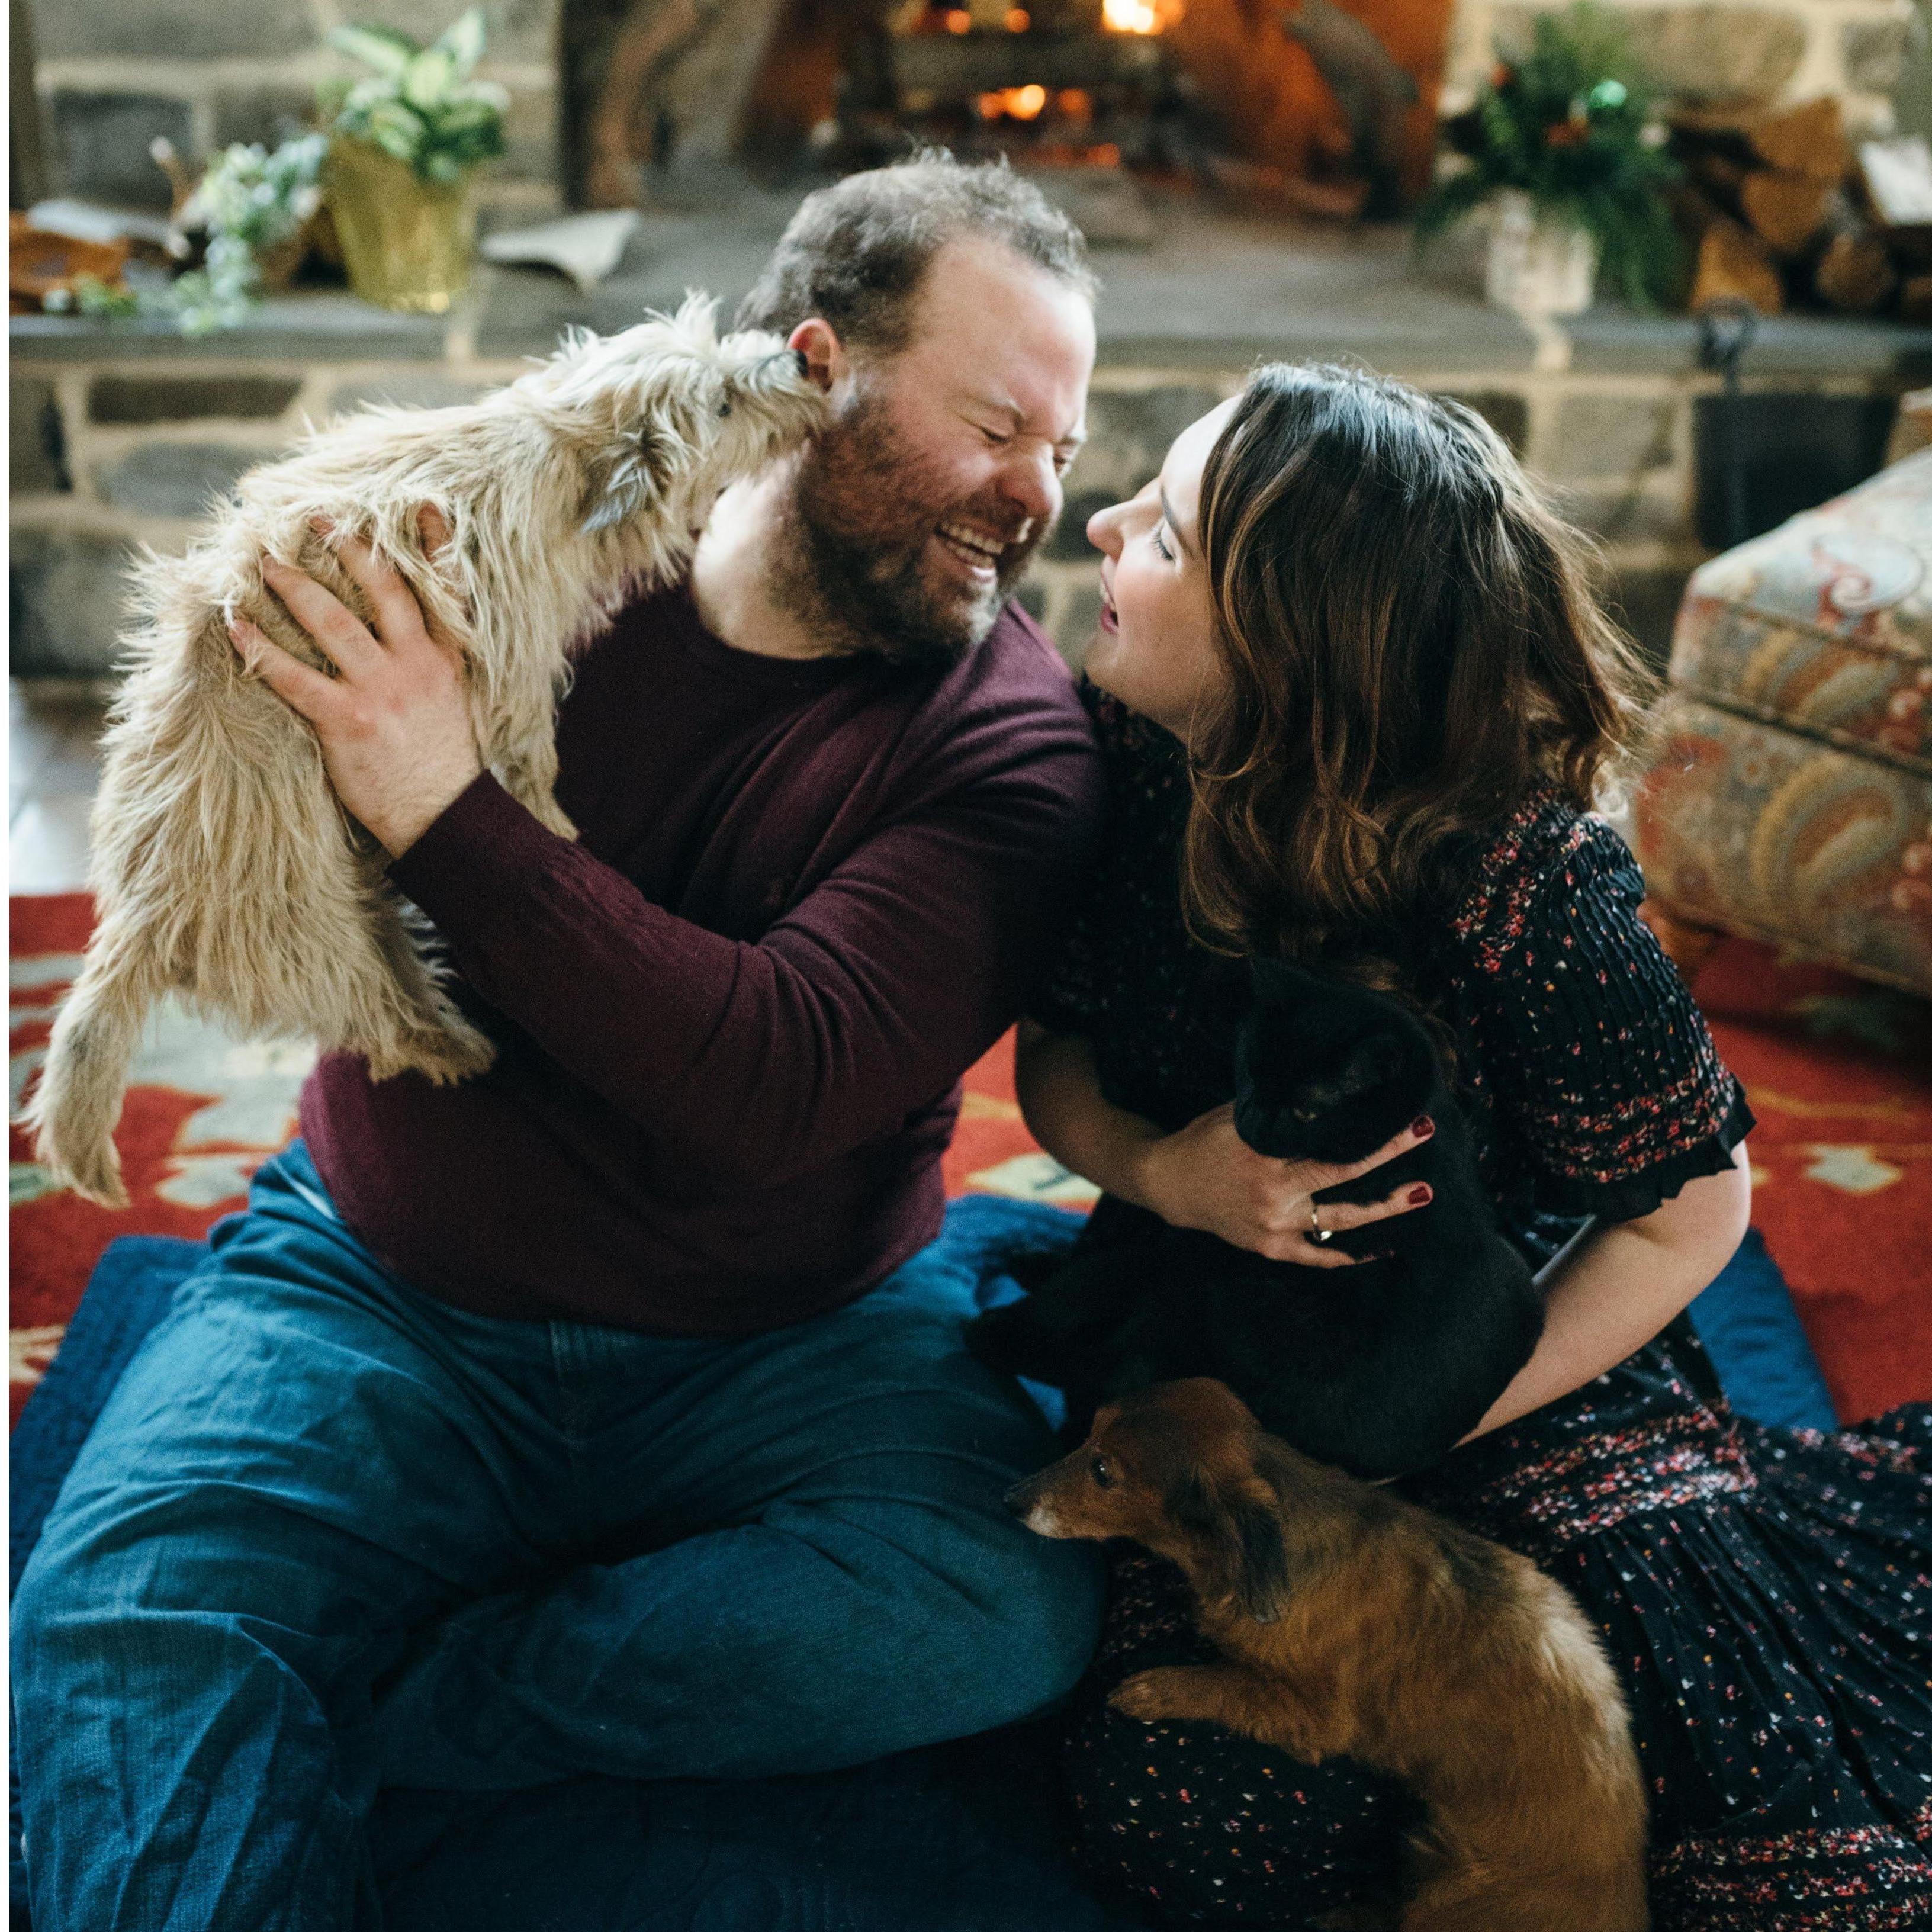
column 1009, row 1637
column 1037, row 1634
column 190, row 1583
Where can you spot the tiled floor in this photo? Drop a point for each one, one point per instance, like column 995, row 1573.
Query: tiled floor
column 53, row 768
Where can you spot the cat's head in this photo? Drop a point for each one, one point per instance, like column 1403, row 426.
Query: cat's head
column 1325, row 1070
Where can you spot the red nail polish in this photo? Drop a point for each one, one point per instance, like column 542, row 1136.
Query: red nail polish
column 1420, row 1197
column 1422, row 1126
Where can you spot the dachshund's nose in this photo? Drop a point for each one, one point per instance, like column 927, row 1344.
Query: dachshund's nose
column 1018, row 1499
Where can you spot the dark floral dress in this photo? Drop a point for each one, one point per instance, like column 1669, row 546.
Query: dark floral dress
column 1765, row 1595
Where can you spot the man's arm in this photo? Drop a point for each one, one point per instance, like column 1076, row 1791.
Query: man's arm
column 864, row 1002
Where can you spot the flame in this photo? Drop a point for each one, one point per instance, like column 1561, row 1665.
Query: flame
column 1018, row 19
column 1015, row 103
column 957, row 20
column 1140, row 16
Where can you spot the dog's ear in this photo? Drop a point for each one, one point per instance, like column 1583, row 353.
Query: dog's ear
column 628, row 482
column 1239, row 1534
column 1262, row 1581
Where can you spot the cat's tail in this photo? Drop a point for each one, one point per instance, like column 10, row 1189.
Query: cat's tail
column 77, row 1103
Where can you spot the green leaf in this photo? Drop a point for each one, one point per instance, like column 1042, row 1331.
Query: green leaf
column 387, row 51
column 464, row 117
column 396, row 130
column 429, row 78
column 462, row 41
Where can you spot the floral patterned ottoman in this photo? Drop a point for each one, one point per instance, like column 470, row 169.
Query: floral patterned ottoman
column 1789, row 795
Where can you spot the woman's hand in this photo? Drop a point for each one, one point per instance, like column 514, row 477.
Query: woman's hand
column 395, row 728
column 1207, row 1176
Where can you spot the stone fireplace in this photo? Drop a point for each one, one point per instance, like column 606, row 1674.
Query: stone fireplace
column 121, row 432
column 769, row 83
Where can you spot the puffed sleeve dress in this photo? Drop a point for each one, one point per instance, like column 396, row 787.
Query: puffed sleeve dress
column 1765, row 1595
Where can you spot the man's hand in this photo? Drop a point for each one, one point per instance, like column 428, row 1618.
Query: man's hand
column 1206, row 1176
column 395, row 728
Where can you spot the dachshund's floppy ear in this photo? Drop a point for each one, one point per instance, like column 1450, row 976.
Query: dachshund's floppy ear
column 1261, row 1583
column 1247, row 1557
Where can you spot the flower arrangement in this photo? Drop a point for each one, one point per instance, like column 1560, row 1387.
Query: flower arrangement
column 419, row 105
column 251, row 201
column 1567, row 124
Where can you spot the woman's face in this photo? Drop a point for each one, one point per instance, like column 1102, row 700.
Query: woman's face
column 1156, row 649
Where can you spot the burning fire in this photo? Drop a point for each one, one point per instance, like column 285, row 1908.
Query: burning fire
column 1140, row 16
column 1015, row 103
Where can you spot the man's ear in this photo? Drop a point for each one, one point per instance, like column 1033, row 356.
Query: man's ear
column 817, row 342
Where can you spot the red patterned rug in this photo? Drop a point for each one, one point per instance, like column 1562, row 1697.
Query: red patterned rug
column 1839, row 1074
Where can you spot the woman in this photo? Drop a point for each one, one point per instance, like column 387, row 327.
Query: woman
column 1357, row 701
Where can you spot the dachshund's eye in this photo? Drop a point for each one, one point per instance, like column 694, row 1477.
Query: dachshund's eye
column 1103, row 1472
column 724, row 409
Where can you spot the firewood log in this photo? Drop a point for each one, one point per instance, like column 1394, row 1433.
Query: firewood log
column 1732, row 261
column 1786, row 210
column 1808, row 140
column 1855, row 273
column 1693, row 209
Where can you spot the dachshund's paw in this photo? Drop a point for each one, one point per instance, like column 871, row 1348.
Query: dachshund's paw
column 1155, row 1697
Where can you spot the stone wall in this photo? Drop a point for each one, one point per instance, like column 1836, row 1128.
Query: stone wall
column 113, row 449
column 114, row 74
column 1773, row 52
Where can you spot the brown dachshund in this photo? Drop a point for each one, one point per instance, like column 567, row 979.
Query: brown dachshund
column 1351, row 1622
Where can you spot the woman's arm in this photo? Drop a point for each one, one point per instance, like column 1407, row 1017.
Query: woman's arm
column 1621, row 1285
column 1205, row 1176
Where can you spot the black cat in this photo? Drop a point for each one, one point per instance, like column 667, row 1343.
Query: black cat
column 1381, row 1368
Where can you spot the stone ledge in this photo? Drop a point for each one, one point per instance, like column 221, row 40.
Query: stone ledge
column 1216, row 298
column 323, row 327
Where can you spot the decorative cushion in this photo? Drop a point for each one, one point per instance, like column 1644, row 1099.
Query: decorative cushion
column 1790, row 796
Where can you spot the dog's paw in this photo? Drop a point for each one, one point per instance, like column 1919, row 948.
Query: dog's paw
column 1155, row 1697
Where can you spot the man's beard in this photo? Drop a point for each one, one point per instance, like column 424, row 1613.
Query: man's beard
column 862, row 512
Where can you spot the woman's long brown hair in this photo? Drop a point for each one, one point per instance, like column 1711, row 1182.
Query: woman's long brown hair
column 1414, row 650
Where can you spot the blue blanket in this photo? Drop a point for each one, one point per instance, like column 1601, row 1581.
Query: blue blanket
column 964, row 1837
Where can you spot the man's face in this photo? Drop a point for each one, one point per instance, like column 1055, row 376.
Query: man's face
column 915, row 512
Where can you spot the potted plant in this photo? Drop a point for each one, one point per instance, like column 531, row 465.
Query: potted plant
column 1561, row 151
column 405, row 143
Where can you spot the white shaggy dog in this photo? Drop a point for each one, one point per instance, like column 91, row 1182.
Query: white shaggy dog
column 223, row 868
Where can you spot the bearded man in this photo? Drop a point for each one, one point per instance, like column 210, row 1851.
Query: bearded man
column 585, row 1416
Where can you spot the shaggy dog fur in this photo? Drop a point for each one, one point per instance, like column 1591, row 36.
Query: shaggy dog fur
column 1351, row 1623
column 1381, row 1370
column 223, row 867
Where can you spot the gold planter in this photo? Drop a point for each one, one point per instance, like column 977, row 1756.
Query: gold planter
column 407, row 243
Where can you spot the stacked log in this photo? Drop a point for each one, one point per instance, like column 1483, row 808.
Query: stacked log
column 1783, row 210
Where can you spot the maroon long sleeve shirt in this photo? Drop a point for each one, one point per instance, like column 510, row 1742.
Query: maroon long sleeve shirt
column 732, row 1018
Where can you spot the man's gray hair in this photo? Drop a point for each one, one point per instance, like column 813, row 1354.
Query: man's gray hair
column 856, row 252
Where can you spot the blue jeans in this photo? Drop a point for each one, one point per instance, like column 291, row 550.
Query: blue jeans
column 331, row 1534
